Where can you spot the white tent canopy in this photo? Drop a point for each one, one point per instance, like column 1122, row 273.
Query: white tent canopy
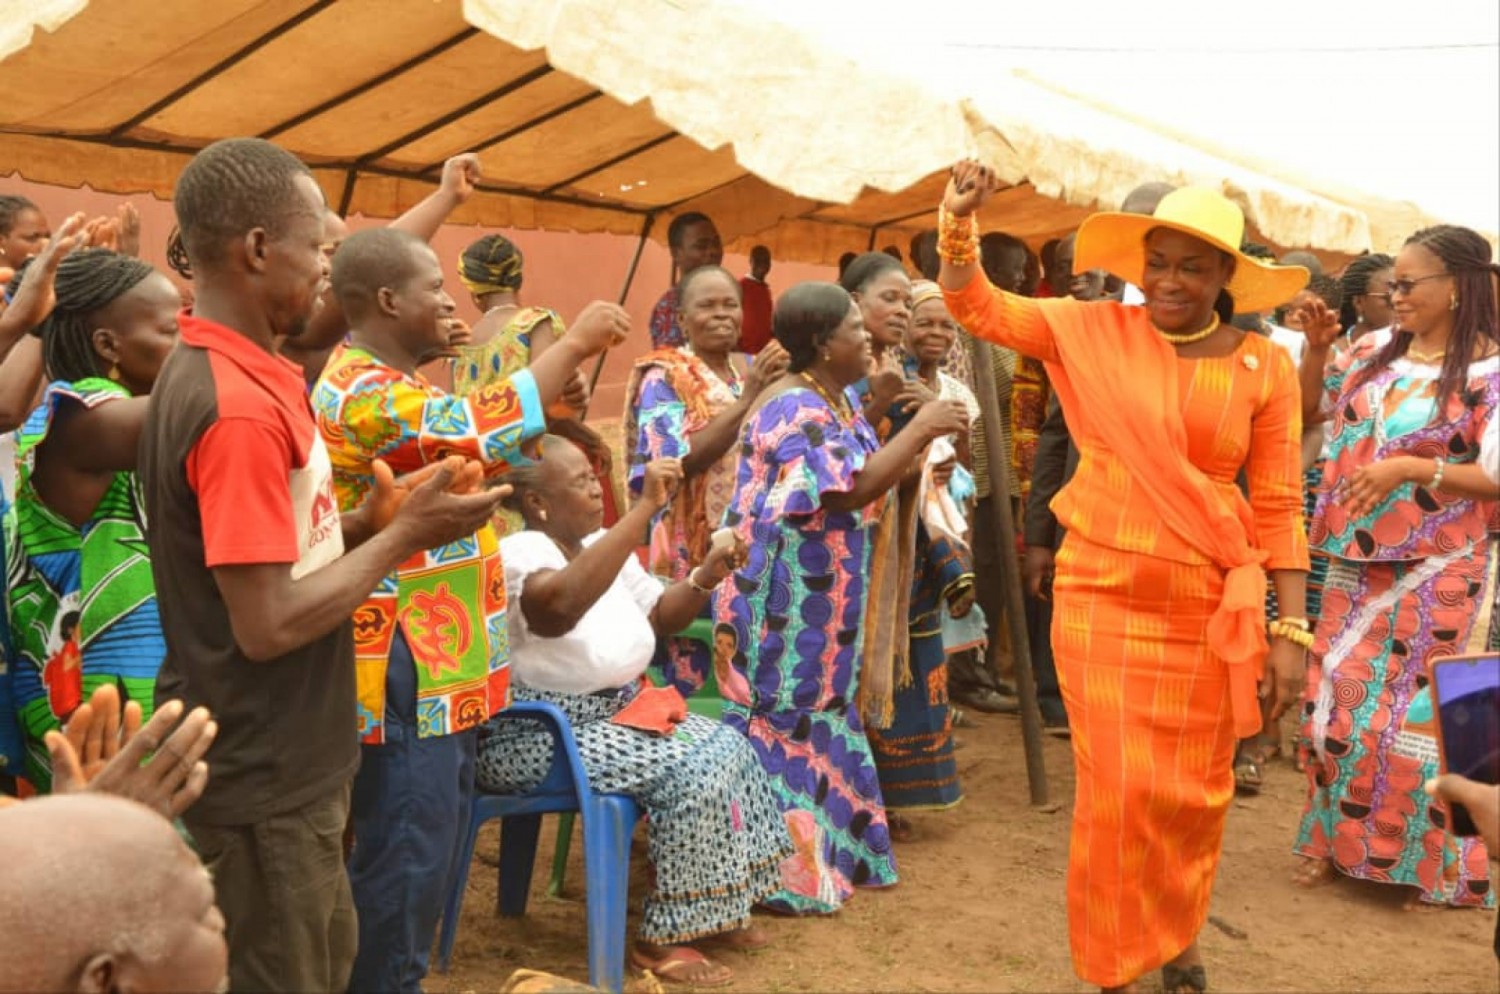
column 812, row 127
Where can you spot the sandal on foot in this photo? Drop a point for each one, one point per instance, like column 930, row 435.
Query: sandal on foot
column 900, row 827
column 1247, row 776
column 750, row 939
column 1184, row 979
column 677, row 964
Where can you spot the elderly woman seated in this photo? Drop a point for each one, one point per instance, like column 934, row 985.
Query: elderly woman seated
column 584, row 620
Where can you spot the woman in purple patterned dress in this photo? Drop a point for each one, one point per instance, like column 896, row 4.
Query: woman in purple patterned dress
column 808, row 487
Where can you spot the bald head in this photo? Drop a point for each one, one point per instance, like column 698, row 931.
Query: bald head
column 1144, row 198
column 104, row 894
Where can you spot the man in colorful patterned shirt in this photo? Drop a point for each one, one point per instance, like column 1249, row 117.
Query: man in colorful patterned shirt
column 430, row 643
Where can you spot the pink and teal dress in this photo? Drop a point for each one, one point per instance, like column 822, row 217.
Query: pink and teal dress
column 788, row 639
column 1403, row 586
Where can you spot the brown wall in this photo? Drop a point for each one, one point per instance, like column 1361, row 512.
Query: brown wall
column 564, row 270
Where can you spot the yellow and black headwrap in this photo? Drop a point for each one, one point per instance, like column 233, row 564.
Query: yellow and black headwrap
column 490, row 265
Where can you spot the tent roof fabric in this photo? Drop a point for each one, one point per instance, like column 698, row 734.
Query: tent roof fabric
column 588, row 115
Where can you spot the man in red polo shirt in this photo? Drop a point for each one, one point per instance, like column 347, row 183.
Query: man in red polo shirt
column 257, row 574
column 755, row 303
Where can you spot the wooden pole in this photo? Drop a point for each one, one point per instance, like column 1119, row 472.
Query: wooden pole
column 635, row 262
column 1004, row 529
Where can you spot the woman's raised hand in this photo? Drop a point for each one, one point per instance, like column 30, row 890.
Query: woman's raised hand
column 969, row 186
column 767, row 367
column 1320, row 324
column 663, row 477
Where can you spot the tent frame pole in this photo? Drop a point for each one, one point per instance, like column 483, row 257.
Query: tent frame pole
column 635, row 262
column 1003, row 526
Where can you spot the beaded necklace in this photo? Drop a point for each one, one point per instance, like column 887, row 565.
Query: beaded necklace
column 1192, row 336
column 840, row 407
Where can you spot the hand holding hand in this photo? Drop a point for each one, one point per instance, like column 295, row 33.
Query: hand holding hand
column 599, row 326
column 969, row 186
column 663, row 477
column 461, row 174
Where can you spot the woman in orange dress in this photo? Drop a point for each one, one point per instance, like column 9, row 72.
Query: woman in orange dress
column 1159, row 630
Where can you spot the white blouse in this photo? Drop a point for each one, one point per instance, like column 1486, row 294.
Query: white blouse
column 611, row 645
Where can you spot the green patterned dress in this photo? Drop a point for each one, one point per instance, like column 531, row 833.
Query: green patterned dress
column 81, row 600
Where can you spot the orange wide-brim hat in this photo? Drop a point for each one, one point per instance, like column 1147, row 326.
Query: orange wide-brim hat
column 1116, row 242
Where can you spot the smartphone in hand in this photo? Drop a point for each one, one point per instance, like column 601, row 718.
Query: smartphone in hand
column 1466, row 692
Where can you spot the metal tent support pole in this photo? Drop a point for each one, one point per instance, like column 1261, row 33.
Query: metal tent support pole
column 1003, row 526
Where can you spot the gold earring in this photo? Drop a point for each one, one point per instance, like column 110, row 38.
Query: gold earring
column 1453, row 302
column 114, row 372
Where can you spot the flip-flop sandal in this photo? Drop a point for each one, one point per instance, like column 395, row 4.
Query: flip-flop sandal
column 1179, row 979
column 676, row 962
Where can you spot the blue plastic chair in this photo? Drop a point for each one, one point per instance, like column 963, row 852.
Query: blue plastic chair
column 705, row 702
column 608, row 823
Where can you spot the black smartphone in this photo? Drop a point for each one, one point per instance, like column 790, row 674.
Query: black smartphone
column 1466, row 690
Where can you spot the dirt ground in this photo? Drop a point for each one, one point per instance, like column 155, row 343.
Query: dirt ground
column 980, row 908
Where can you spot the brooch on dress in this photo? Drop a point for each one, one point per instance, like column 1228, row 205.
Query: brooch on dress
column 1251, row 363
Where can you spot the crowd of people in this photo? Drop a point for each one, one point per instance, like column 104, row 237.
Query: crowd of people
column 284, row 540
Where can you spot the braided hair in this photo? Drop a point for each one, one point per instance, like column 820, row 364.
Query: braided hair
column 1356, row 282
column 87, row 282
column 10, row 206
column 1466, row 256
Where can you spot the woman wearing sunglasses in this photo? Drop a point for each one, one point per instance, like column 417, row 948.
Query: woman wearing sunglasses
column 1408, row 491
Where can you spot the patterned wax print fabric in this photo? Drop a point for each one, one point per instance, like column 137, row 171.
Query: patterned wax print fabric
column 1369, row 738
column 716, row 837
column 665, row 334
column 505, row 354
column 914, row 754
column 12, row 749
column 450, row 601
column 788, row 640
column 82, row 601
column 1401, row 590
column 1394, row 413
column 1153, row 706
column 672, row 394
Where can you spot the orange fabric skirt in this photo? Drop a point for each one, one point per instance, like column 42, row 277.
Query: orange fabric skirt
column 1153, row 750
